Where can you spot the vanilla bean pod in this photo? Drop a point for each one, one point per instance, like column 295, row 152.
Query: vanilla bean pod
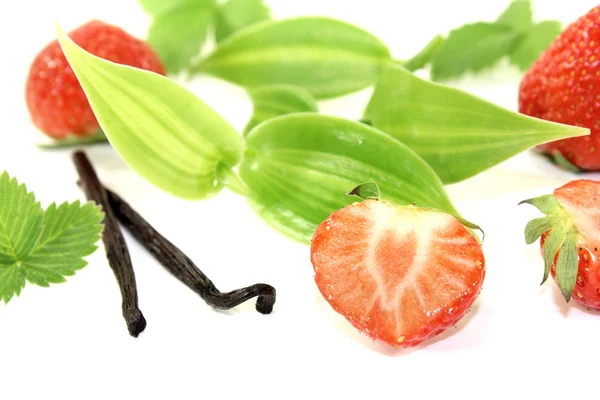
column 176, row 262
column 116, row 248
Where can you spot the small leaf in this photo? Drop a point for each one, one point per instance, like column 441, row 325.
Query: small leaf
column 368, row 190
column 424, row 57
column 157, row 7
column 537, row 39
column 299, row 167
column 567, row 265
column 487, row 44
column 546, row 204
column 552, row 244
column 536, row 227
column 458, row 134
column 329, row 58
column 20, row 220
column 69, row 234
column 177, row 34
column 518, row 15
column 41, row 247
column 72, row 141
column 562, row 162
column 162, row 130
column 238, row 14
column 273, row 101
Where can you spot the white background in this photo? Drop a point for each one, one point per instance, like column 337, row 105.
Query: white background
column 70, row 341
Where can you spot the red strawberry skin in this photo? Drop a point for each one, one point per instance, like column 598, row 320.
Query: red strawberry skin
column 401, row 275
column 55, row 100
column 563, row 86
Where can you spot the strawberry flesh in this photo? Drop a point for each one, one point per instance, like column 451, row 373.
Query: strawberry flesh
column 399, row 274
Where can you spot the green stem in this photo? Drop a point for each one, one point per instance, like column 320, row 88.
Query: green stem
column 424, row 57
column 232, row 181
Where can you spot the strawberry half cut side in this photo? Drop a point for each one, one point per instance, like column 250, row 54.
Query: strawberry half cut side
column 570, row 239
column 401, row 275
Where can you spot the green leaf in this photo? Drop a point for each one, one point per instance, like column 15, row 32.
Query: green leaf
column 162, row 130
column 365, row 191
column 299, row 168
column 472, row 47
column 157, row 7
column 177, row 34
column 537, row 39
column 536, row 227
column 567, row 265
column 238, row 14
column 69, row 233
column 327, row 57
column 20, row 220
column 518, row 15
column 553, row 242
column 42, row 247
column 546, row 204
column 458, row 134
column 273, row 101
column 424, row 57
column 72, row 141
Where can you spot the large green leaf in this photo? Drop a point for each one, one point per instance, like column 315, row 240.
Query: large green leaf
column 162, row 130
column 178, row 33
column 299, row 168
column 238, row 14
column 458, row 134
column 327, row 57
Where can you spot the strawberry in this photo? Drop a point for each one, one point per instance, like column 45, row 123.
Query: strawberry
column 399, row 274
column 570, row 239
column 55, row 100
column 563, row 86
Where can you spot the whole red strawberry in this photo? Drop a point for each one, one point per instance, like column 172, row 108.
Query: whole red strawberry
column 401, row 275
column 56, row 102
column 563, row 86
column 570, row 239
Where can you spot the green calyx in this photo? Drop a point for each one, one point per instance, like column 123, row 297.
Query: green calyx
column 561, row 239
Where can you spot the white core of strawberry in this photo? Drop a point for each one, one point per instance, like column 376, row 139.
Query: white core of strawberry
column 426, row 228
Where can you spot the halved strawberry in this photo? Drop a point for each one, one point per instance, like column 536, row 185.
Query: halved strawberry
column 399, row 274
column 570, row 239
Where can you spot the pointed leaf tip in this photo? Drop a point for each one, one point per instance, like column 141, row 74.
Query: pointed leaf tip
column 366, row 191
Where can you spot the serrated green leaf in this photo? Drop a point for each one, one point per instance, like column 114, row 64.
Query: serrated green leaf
column 536, row 227
column 178, row 33
column 20, row 220
column 327, row 57
column 567, row 265
column 162, row 130
column 536, row 40
column 458, row 134
column 41, row 247
column 546, row 204
column 299, row 168
column 518, row 15
column 472, row 47
column 273, row 101
column 69, row 233
column 238, row 14
column 368, row 190
column 553, row 242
